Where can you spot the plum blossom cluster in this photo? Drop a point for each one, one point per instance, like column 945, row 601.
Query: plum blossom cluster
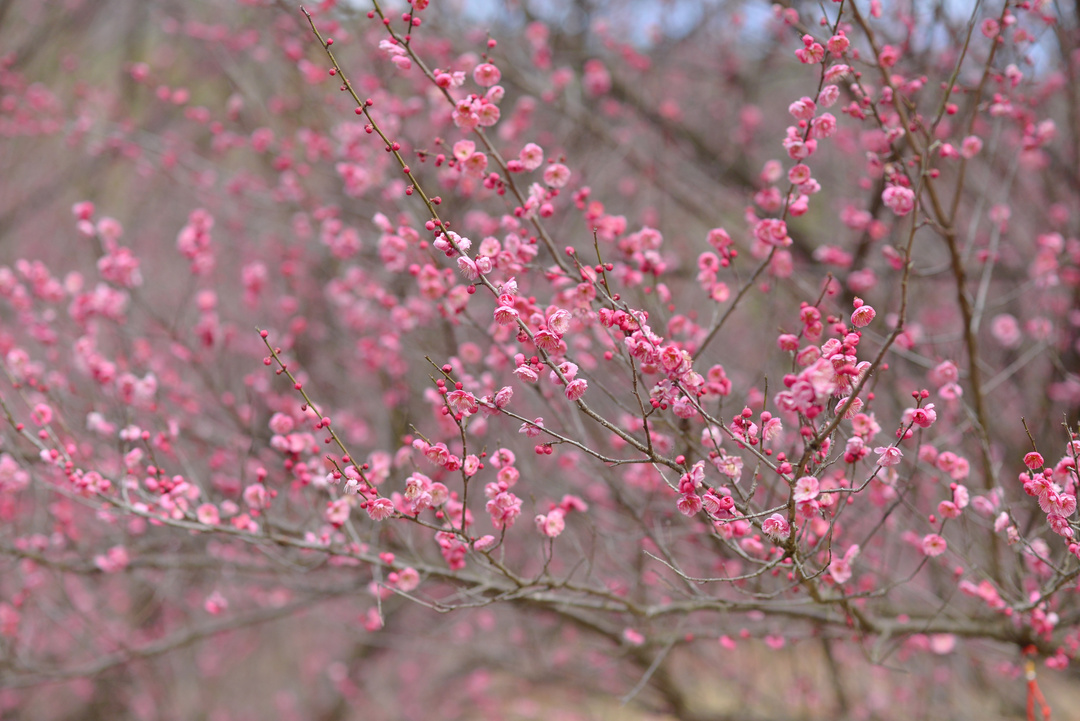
column 828, row 370
column 1056, row 489
column 195, row 243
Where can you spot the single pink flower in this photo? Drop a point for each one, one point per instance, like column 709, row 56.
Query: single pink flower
column 556, row 175
column 840, row 568
column 888, row 456
column 380, row 509
column 806, row 489
column 862, row 316
column 933, row 545
column 689, row 504
column 776, row 526
column 552, row 524
column 576, row 389
column 899, row 199
column 486, row 75
column 531, row 156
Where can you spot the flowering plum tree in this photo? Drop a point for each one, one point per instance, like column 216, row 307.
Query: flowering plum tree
column 361, row 354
